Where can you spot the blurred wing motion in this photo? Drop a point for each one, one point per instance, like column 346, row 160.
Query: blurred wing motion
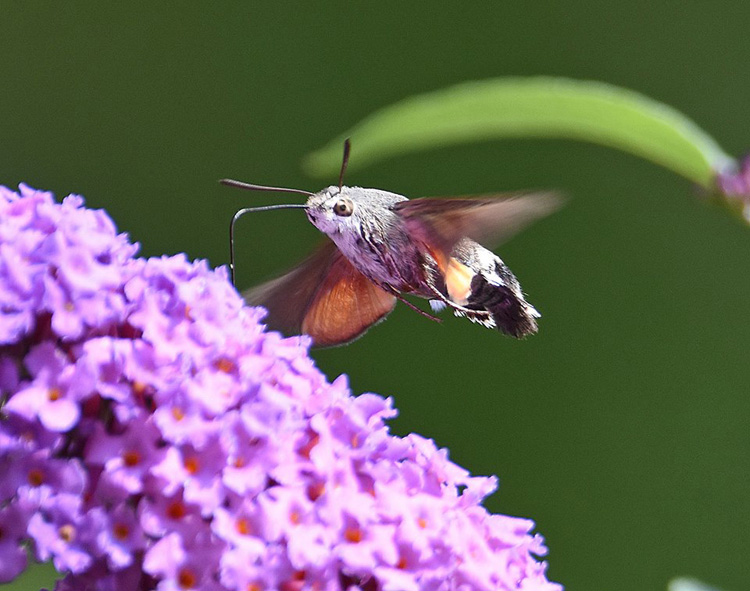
column 474, row 280
column 489, row 220
column 324, row 297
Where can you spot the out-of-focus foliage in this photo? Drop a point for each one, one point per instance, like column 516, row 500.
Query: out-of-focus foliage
column 533, row 107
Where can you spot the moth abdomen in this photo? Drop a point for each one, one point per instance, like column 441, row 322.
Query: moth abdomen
column 494, row 288
column 512, row 314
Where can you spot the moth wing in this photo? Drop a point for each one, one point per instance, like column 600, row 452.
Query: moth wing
column 465, row 268
column 324, row 297
column 287, row 298
column 345, row 306
column 488, row 220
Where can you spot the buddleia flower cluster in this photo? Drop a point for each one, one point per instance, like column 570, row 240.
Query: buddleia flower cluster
column 153, row 435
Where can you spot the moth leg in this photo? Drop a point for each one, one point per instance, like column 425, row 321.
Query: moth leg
column 468, row 311
column 401, row 298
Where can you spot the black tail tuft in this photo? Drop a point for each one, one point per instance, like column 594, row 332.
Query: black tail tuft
column 512, row 315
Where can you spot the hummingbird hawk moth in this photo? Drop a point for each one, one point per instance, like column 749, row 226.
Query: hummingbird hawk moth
column 383, row 246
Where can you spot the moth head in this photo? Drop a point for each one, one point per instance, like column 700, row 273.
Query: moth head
column 335, row 211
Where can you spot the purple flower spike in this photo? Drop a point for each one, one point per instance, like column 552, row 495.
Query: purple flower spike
column 154, row 436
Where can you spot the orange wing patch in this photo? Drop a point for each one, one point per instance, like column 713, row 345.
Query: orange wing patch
column 345, row 306
column 458, row 281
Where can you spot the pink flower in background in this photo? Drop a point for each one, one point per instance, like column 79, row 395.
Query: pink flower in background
column 153, row 435
column 734, row 186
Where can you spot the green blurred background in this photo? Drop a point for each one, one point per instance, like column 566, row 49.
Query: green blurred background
column 622, row 428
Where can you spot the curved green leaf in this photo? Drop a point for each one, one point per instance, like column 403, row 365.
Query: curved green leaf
column 532, row 107
column 688, row 584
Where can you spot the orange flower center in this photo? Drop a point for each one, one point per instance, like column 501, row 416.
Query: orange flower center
column 176, row 510
column 305, row 450
column 131, row 458
column 67, row 533
column 353, row 535
column 192, row 465
column 242, row 525
column 315, row 490
column 225, row 365
column 139, row 388
column 36, row 477
column 186, row 579
column 121, row 531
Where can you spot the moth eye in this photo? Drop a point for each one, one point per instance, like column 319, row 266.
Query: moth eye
column 343, row 207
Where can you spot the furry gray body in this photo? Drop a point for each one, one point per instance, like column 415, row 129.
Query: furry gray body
column 373, row 238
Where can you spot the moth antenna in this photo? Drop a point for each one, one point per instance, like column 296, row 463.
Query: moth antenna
column 241, row 212
column 245, row 210
column 344, row 162
column 251, row 187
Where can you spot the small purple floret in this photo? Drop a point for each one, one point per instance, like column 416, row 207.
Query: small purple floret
column 154, row 436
